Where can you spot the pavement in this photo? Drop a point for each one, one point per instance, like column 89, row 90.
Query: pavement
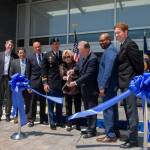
column 41, row 137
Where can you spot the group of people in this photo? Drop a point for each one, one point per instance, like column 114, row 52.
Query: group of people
column 57, row 74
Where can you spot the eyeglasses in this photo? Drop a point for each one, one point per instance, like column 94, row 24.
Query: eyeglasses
column 66, row 57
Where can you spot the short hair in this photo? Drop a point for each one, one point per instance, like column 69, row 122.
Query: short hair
column 9, row 41
column 20, row 48
column 36, row 42
column 68, row 53
column 107, row 35
column 122, row 26
column 86, row 44
column 53, row 40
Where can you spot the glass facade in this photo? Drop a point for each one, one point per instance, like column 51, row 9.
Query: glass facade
column 46, row 18
column 59, row 18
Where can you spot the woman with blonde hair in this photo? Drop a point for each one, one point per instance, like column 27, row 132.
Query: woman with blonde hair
column 71, row 94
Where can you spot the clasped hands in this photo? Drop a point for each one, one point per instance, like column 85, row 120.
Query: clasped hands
column 71, row 83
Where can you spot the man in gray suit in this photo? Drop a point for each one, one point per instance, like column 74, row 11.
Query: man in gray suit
column 6, row 58
column 20, row 66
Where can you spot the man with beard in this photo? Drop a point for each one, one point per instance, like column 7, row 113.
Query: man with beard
column 107, row 81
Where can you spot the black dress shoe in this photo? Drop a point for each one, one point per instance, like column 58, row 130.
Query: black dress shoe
column 60, row 125
column 0, row 119
column 78, row 127
column 31, row 124
column 128, row 144
column 84, row 131
column 44, row 122
column 8, row 119
column 53, row 127
column 89, row 135
column 117, row 134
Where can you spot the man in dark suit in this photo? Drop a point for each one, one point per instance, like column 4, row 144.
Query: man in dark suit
column 130, row 64
column 52, row 81
column 20, row 66
column 88, row 70
column 6, row 58
column 34, row 74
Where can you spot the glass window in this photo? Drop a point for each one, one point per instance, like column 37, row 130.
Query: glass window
column 35, row 0
column 21, row 21
column 20, row 43
column 134, row 13
column 139, row 34
column 90, row 37
column 21, row 1
column 48, row 18
column 91, row 15
column 46, row 40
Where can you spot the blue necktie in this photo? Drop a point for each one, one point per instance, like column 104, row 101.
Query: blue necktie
column 39, row 58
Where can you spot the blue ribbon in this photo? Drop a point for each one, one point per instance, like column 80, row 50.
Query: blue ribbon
column 18, row 84
column 52, row 98
column 140, row 86
column 101, row 107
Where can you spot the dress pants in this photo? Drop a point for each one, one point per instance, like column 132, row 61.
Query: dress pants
column 51, row 104
column 89, row 102
column 130, row 105
column 27, row 101
column 33, row 107
column 5, row 93
column 76, row 99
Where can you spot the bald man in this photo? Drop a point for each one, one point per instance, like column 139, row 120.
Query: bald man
column 34, row 75
column 88, row 70
column 107, row 82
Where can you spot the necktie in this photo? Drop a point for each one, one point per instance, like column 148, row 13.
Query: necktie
column 121, row 45
column 57, row 55
column 39, row 58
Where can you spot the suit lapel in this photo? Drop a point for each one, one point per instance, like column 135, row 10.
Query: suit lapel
column 11, row 59
column 122, row 48
column 18, row 65
column 26, row 65
column 3, row 59
column 84, row 63
column 35, row 59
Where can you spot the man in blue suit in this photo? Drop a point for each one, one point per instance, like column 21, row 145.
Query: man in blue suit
column 88, row 71
column 107, row 81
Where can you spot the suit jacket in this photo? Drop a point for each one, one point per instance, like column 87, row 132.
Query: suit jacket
column 34, row 72
column 2, row 59
column 108, row 69
column 88, row 70
column 16, row 68
column 130, row 62
column 51, row 70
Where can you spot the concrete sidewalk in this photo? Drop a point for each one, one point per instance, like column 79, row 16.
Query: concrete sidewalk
column 41, row 137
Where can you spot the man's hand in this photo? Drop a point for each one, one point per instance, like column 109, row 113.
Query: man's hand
column 29, row 91
column 65, row 78
column 46, row 88
column 72, row 84
column 71, row 71
column 102, row 92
